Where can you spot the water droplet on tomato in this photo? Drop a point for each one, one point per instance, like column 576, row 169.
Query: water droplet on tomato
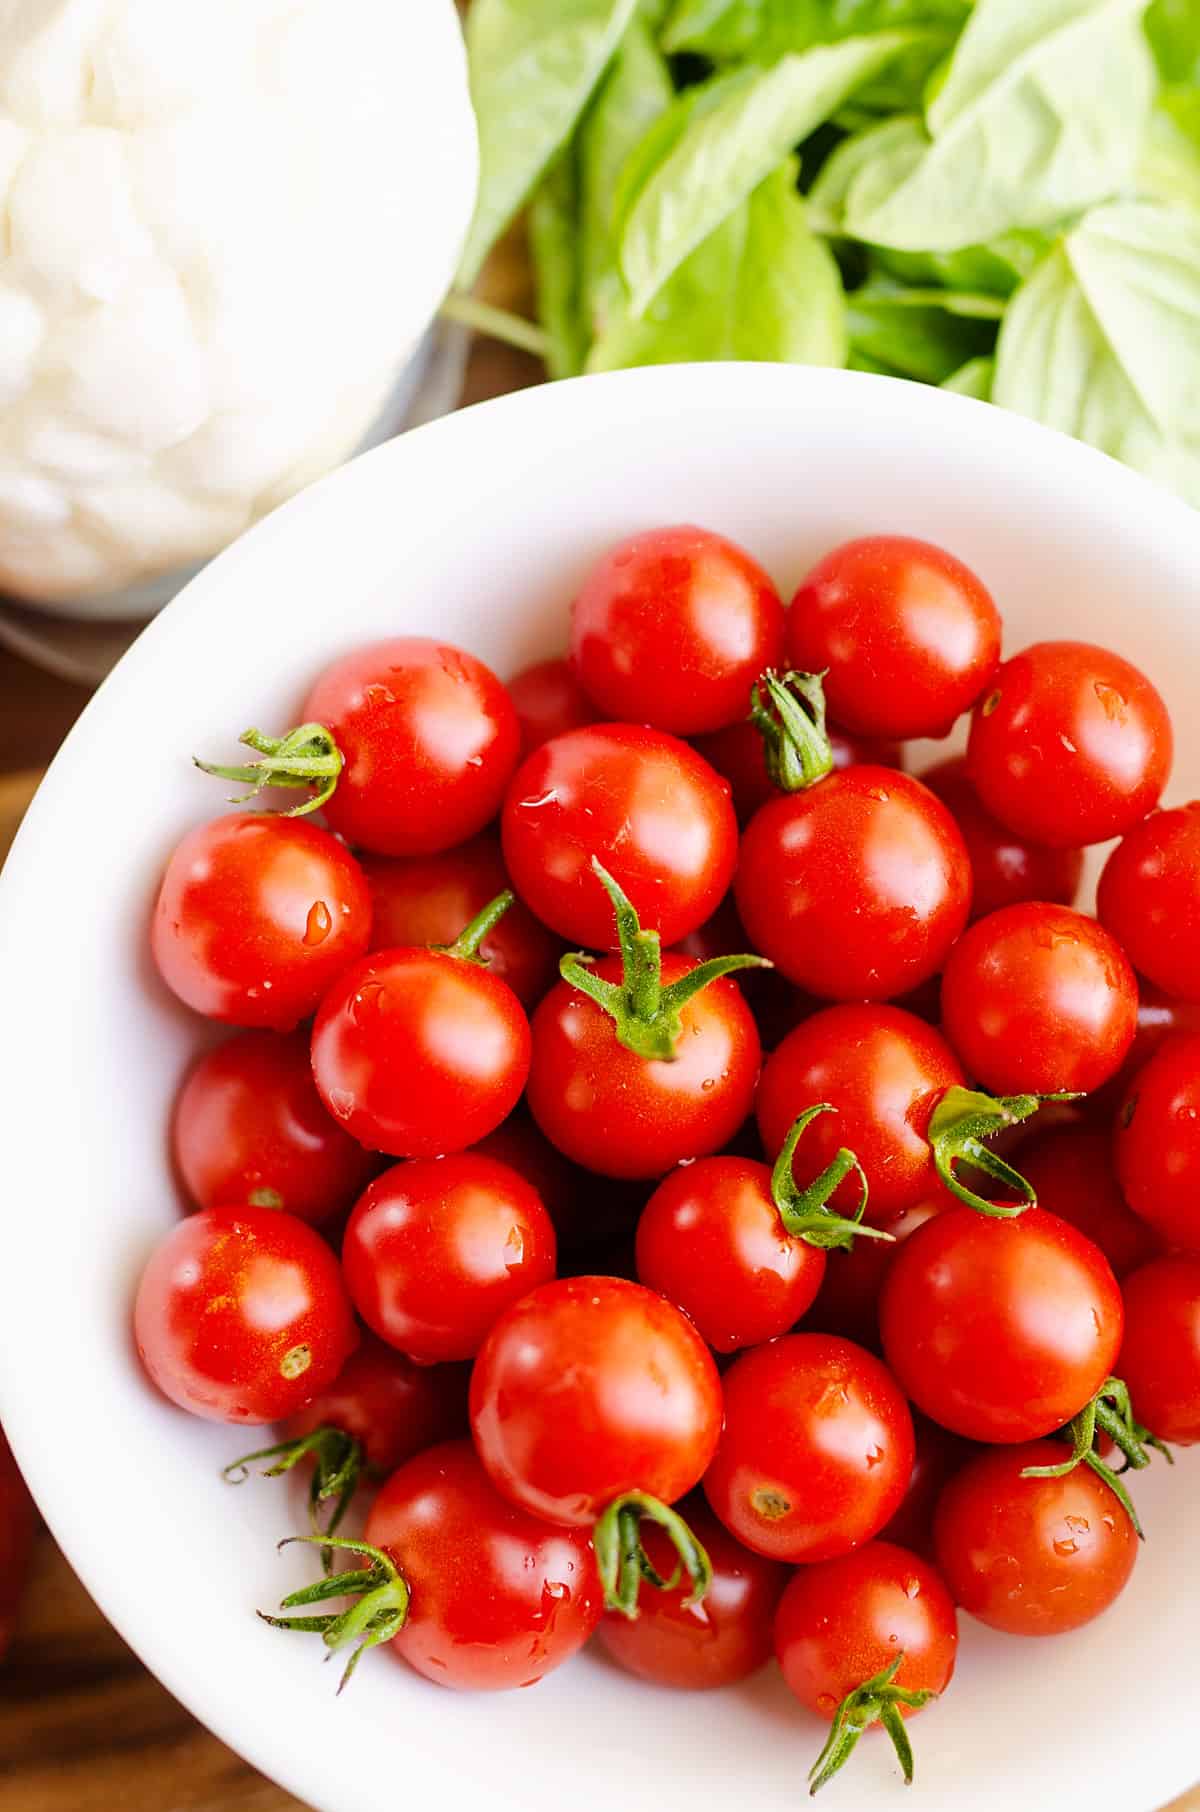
column 318, row 925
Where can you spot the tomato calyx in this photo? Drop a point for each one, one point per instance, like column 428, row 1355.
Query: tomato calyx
column 466, row 945
column 876, row 1701
column 306, row 757
column 961, row 1121
column 378, row 1615
column 805, row 1212
column 646, row 1015
column 1109, row 1412
column 337, row 1469
column 623, row 1563
column 788, row 710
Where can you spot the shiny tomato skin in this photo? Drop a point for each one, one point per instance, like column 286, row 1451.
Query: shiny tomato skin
column 256, row 917
column 737, row 753
column 646, row 806
column 848, row 1301
column 695, row 1647
column 436, row 1250
column 1071, row 745
column 241, row 1315
column 1037, row 999
column 939, row 1455
column 884, row 1071
column 391, row 1406
column 1160, row 1360
column 431, row 899
column 843, row 1621
column 417, row 1053
column 1032, row 1557
column 1005, row 868
column 623, row 1115
column 817, row 1448
column 672, row 628
column 18, row 1522
column 248, row 1119
column 600, row 1355
column 1156, row 1144
column 1071, row 1169
column 1149, row 898
column 711, row 1241
column 568, row 1194
column 906, row 635
column 857, row 888
column 1001, row 1330
column 548, row 701
column 429, row 739
column 498, row 1599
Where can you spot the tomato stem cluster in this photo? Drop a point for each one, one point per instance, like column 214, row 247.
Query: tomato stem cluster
column 805, row 1212
column 623, row 1562
column 306, row 757
column 338, row 1467
column 876, row 1701
column 791, row 720
column 378, row 1616
column 1110, row 1412
column 961, row 1121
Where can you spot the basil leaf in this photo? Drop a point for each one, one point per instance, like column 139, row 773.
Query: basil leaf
column 554, row 244
column 1103, row 341
column 762, row 286
column 994, row 269
column 1173, row 28
column 730, row 141
column 1041, row 114
column 1169, row 167
column 972, row 379
column 762, row 30
column 922, row 334
column 533, row 65
column 891, row 142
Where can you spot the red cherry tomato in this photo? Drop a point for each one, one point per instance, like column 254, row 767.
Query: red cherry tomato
column 1149, row 898
column 574, row 1200
column 624, row 1115
column 249, row 1126
column 392, row 1407
column 429, row 899
column 429, row 740
column 498, row 1598
column 1000, row 1329
column 738, row 753
column 605, row 1356
column 1038, row 999
column 721, row 1640
column 418, row 1052
column 548, row 701
column 437, row 1249
column 242, row 1316
column 1071, row 1172
column 1157, row 1143
column 848, row 1300
column 672, row 628
column 1034, row 1557
column 1070, row 746
column 939, row 1455
column 817, row 1449
column 1005, row 868
column 884, row 1071
column 17, row 1524
column 711, row 1241
column 1160, row 1360
column 856, row 888
column 256, row 918
column 656, row 815
column 907, row 636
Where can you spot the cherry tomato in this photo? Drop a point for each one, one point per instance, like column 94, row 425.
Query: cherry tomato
column 884, row 1071
column 429, row 899
column 906, row 635
column 498, row 1598
column 939, row 1454
column 817, row 1448
column 848, row 1301
column 1005, row 868
column 656, row 815
column 242, row 1316
column 418, row 1052
column 429, row 740
column 256, row 918
column 724, row 1638
column 548, row 701
column 437, row 1249
column 1157, row 1143
column 1149, row 898
column 1071, row 745
column 711, row 1241
column 249, row 1126
column 572, row 1198
column 856, row 888
column 600, row 1355
column 1000, row 1329
column 1039, row 999
column 625, row 1115
column 672, row 628
column 1071, row 1171
column 1160, row 1360
column 17, row 1524
column 1034, row 1557
column 391, row 1406
column 738, row 753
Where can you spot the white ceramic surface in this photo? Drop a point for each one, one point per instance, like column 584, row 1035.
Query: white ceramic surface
column 477, row 528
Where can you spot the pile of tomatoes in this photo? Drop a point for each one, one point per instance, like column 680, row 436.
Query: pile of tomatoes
column 633, row 1330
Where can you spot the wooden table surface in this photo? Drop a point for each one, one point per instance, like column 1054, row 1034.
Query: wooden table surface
column 83, row 1726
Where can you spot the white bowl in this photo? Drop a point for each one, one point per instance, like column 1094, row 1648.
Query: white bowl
column 477, row 528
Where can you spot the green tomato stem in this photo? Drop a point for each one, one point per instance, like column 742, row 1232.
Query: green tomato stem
column 876, row 1701
column 805, row 1212
column 306, row 757
column 623, row 1562
column 337, row 1470
column 466, row 944
column 961, row 1121
column 791, row 720
column 1109, row 1412
column 379, row 1615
